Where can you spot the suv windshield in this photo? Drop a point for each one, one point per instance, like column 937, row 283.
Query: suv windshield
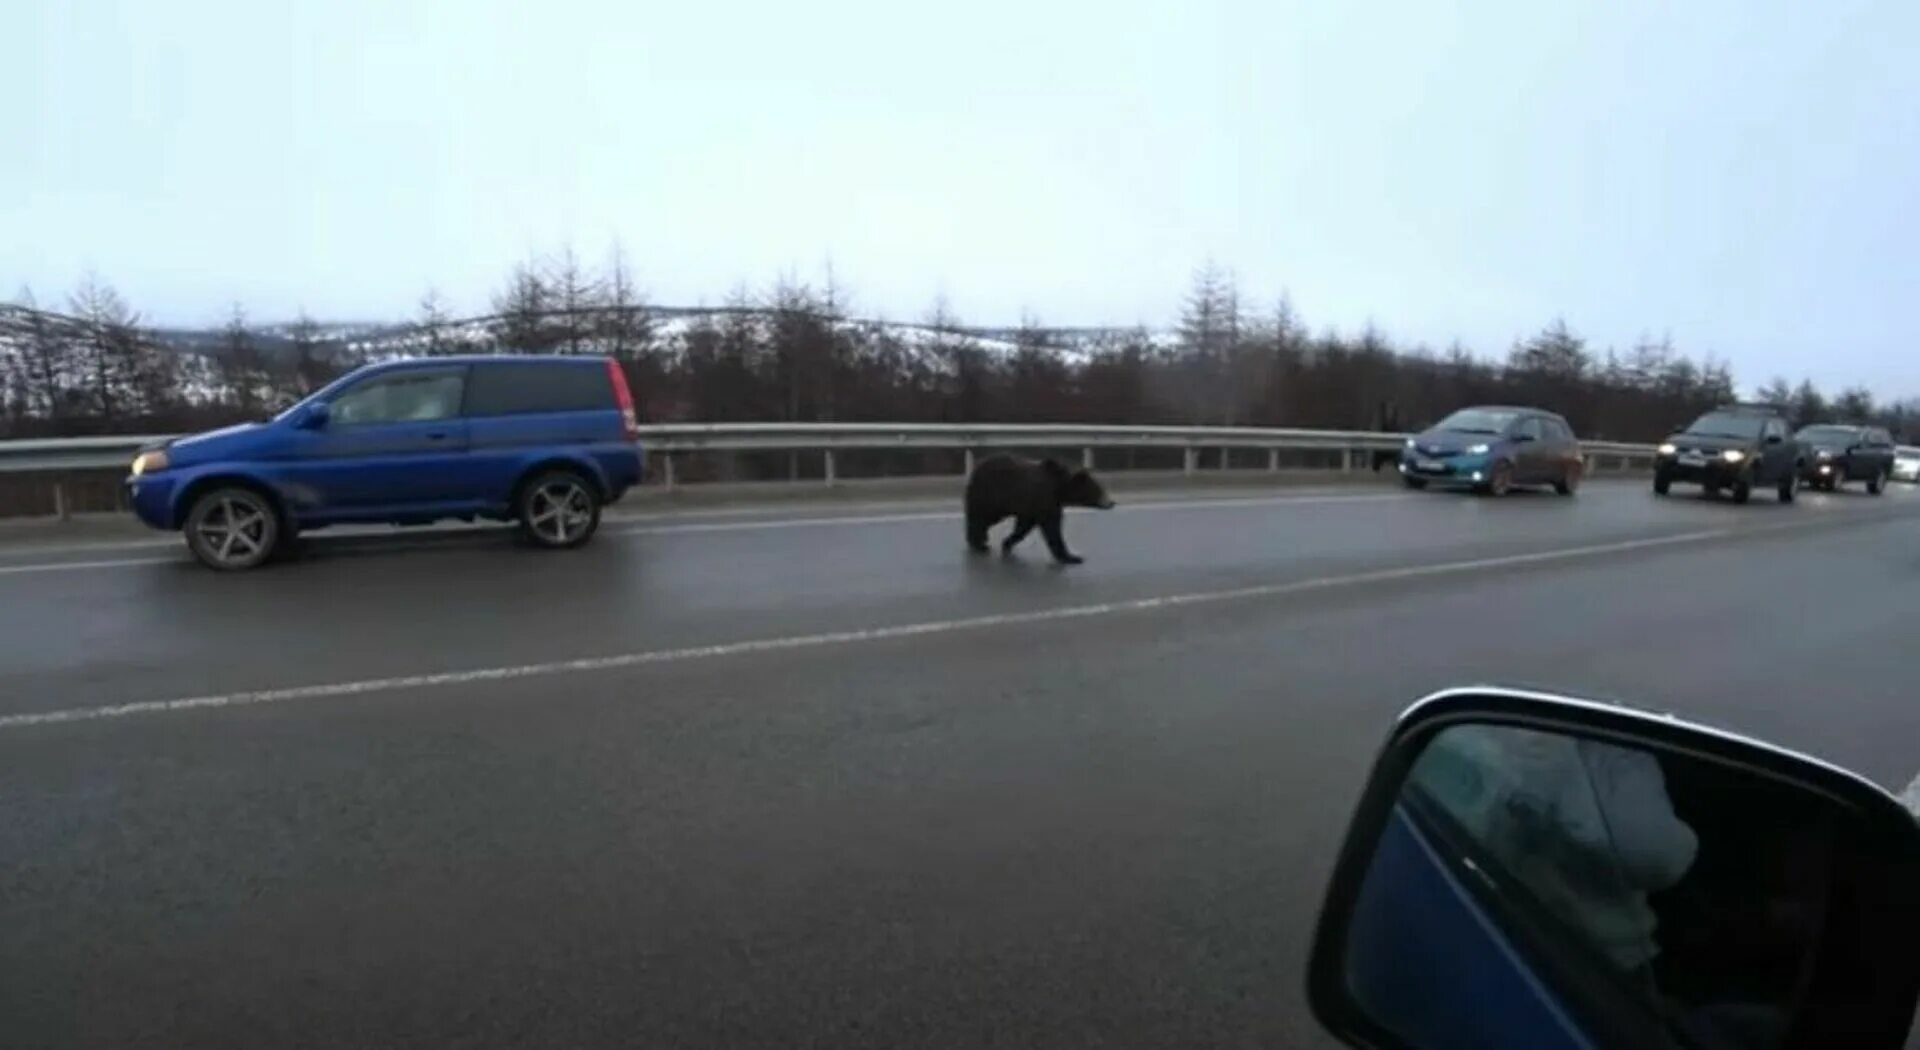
column 1727, row 425
column 1477, row 421
column 1828, row 434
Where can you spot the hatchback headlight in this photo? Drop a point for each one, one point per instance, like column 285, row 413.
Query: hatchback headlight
column 1478, row 450
column 1667, row 449
column 149, row 462
column 1733, row 455
column 1410, row 442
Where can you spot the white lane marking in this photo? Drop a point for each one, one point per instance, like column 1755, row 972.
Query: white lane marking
column 955, row 515
column 82, row 548
column 815, row 641
column 683, row 527
column 63, row 566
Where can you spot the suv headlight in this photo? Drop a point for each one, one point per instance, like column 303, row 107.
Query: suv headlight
column 1667, row 448
column 1733, row 455
column 1479, row 450
column 149, row 462
column 1410, row 442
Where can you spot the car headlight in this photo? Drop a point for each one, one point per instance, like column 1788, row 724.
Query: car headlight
column 149, row 462
column 1733, row 455
column 1409, row 442
column 1667, row 449
column 1478, row 450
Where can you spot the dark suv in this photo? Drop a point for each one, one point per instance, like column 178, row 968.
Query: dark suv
column 545, row 441
column 1737, row 449
column 1837, row 454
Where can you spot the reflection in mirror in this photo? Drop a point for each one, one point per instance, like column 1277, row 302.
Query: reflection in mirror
column 1535, row 888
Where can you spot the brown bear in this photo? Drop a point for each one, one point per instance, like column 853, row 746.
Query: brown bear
column 1031, row 494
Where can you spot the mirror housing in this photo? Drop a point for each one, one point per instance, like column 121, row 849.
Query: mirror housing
column 1775, row 439
column 1443, row 927
column 314, row 416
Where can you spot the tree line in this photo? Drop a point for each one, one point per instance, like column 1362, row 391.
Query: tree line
column 794, row 353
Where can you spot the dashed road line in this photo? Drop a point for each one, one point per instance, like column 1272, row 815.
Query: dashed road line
column 679, row 528
column 69, row 566
column 840, row 638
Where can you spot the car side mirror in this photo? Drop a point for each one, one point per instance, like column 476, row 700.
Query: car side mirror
column 314, row 416
column 1535, row 871
column 1774, row 439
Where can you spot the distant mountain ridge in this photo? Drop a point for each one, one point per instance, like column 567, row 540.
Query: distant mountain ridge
column 374, row 339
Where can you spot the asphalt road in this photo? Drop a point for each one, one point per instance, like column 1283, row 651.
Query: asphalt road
column 821, row 777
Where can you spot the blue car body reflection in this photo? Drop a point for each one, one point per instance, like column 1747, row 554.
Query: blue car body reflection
column 1423, row 957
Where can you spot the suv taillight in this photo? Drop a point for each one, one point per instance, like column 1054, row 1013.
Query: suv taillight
column 623, row 397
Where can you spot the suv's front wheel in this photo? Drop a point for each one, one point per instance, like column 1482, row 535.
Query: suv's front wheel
column 1790, row 486
column 559, row 509
column 232, row 528
column 1877, row 482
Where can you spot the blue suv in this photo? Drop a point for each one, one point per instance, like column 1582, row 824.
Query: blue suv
column 545, row 441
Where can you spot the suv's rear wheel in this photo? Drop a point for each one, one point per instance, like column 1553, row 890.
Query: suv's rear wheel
column 559, row 509
column 1661, row 483
column 1877, row 482
column 1789, row 486
column 232, row 528
column 1742, row 490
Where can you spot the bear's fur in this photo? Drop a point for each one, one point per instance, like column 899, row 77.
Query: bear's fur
column 1032, row 494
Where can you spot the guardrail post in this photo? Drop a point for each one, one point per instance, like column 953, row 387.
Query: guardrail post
column 60, row 509
column 966, row 462
column 1192, row 461
column 1086, row 457
column 830, row 474
column 666, row 471
column 1346, row 461
column 1273, row 460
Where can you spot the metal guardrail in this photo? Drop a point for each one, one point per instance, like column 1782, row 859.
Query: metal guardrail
column 106, row 453
column 94, row 454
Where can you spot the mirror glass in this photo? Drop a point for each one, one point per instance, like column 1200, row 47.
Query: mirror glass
column 1538, row 888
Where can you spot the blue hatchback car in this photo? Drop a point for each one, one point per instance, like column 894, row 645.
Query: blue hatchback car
column 1493, row 448
column 545, row 441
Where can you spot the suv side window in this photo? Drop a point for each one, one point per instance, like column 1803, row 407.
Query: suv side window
column 506, row 388
column 413, row 396
column 1530, row 427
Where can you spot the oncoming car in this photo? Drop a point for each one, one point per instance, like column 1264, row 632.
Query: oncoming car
column 1737, row 449
column 545, row 441
column 1906, row 464
column 1837, row 454
column 1492, row 449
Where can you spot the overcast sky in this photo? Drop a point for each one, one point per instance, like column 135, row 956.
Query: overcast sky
column 1744, row 174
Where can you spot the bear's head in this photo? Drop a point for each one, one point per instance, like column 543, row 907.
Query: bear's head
column 1079, row 488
